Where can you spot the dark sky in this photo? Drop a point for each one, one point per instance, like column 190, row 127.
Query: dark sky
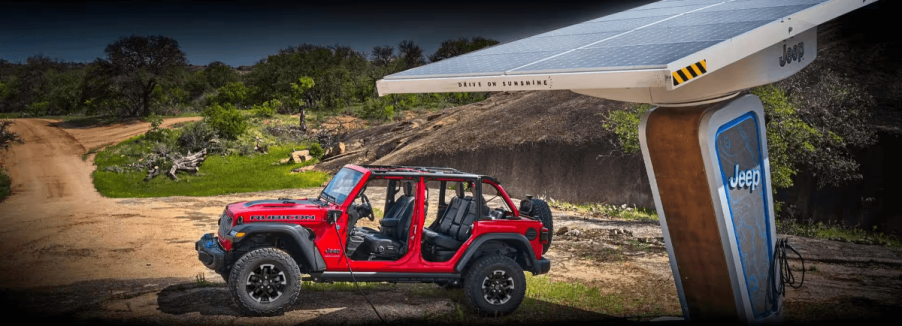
column 242, row 33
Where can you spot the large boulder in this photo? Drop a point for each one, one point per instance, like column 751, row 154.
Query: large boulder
column 301, row 156
column 336, row 150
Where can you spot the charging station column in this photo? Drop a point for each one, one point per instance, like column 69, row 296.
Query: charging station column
column 710, row 177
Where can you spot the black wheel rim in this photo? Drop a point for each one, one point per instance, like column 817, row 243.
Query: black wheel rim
column 497, row 287
column 265, row 283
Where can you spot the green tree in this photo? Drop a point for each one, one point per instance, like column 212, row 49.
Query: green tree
column 455, row 47
column 235, row 93
column 339, row 73
column 411, row 54
column 218, row 74
column 139, row 63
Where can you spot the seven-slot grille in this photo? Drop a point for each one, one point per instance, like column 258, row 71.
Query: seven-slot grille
column 225, row 224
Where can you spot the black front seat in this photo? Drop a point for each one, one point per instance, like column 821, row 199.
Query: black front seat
column 391, row 242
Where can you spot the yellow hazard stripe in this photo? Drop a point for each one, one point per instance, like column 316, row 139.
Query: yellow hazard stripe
column 690, row 72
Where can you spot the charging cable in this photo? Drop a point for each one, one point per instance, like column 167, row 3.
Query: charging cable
column 347, row 261
column 786, row 276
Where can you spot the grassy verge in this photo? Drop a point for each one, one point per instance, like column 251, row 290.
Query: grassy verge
column 836, row 232
column 5, row 185
column 613, row 211
column 549, row 300
column 218, row 175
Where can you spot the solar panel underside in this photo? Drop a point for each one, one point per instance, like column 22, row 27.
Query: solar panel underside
column 647, row 37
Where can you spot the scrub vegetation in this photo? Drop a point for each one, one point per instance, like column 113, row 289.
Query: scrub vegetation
column 7, row 139
column 232, row 165
column 611, row 211
column 5, row 185
column 838, row 232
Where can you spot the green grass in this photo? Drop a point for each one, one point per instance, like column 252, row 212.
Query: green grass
column 621, row 212
column 835, row 232
column 84, row 157
column 218, row 174
column 548, row 300
column 341, row 286
column 5, row 185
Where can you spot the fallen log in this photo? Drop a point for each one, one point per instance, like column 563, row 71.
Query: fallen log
column 188, row 163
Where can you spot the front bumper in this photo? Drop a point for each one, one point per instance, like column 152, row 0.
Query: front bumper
column 209, row 252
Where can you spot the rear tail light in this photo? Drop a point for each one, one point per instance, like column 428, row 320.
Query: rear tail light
column 543, row 237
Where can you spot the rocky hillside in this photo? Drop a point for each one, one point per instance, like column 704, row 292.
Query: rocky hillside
column 540, row 143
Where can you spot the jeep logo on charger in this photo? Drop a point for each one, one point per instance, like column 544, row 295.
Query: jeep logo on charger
column 794, row 53
column 742, row 179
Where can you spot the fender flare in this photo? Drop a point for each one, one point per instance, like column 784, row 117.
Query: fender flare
column 307, row 252
column 520, row 239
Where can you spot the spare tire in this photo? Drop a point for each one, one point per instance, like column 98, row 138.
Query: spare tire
column 541, row 211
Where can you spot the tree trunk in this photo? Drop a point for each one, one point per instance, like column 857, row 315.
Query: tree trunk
column 302, row 123
column 146, row 97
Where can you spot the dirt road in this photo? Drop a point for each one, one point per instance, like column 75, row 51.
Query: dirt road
column 59, row 229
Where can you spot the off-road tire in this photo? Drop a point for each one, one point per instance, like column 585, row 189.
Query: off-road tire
column 541, row 211
column 250, row 262
column 480, row 273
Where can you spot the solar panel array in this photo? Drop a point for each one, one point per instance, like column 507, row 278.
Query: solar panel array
column 645, row 37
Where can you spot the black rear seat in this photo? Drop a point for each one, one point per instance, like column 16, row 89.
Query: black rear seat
column 453, row 228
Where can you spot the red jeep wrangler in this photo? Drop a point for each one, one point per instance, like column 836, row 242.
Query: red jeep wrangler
column 481, row 245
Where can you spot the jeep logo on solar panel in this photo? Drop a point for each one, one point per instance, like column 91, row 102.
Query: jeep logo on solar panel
column 793, row 53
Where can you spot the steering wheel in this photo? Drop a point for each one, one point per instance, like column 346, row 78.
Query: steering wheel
column 365, row 203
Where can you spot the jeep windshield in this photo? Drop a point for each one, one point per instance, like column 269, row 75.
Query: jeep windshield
column 341, row 186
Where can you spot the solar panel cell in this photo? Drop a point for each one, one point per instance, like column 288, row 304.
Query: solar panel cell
column 748, row 4
column 547, row 44
column 635, row 57
column 650, row 13
column 605, row 26
column 677, row 3
column 679, row 34
column 764, row 15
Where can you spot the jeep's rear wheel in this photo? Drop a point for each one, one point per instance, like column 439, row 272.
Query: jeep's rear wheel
column 541, row 211
column 265, row 281
column 494, row 285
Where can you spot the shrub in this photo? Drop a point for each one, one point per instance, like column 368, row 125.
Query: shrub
column 625, row 123
column 225, row 120
column 377, row 109
column 7, row 136
column 155, row 134
column 197, row 136
column 316, row 150
column 267, row 109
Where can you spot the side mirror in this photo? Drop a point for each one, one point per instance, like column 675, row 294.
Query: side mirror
column 332, row 216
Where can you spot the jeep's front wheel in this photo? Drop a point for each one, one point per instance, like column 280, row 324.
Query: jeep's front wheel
column 495, row 285
column 265, row 281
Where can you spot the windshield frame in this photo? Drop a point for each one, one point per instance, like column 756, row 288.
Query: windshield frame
column 346, row 178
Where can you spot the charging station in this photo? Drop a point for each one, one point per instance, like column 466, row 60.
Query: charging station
column 704, row 145
column 718, row 221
